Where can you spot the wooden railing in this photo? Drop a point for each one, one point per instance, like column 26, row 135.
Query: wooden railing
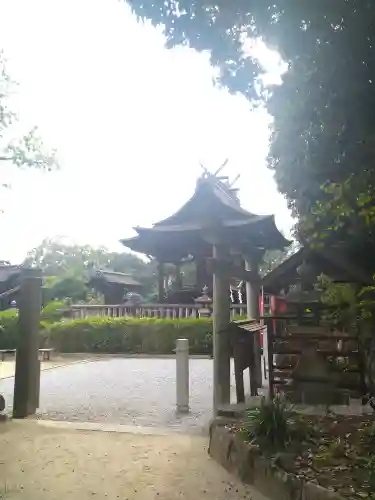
column 172, row 311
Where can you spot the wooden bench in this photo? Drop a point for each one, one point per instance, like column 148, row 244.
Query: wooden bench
column 46, row 353
column 3, row 352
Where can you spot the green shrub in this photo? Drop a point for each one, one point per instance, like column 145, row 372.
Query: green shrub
column 8, row 329
column 129, row 335
column 111, row 335
column 53, row 311
column 268, row 424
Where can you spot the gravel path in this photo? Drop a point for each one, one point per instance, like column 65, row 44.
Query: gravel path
column 38, row 463
column 130, row 391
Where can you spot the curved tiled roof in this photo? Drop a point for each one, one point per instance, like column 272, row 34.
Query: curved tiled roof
column 213, row 204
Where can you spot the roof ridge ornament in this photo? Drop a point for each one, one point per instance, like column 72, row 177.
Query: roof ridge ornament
column 220, row 180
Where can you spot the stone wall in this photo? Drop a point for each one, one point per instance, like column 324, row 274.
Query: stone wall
column 245, row 462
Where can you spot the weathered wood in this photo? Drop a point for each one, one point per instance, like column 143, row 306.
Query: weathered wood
column 221, row 342
column 226, row 267
column 161, row 290
column 253, row 312
column 27, row 362
column 267, row 347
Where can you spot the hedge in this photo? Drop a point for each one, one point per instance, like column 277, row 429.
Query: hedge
column 114, row 335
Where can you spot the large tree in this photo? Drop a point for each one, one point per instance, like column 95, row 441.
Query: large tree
column 322, row 134
column 66, row 267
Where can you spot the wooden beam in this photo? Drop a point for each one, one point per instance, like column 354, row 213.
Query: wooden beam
column 234, row 271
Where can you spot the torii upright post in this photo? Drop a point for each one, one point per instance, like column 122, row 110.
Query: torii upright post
column 221, row 320
column 27, row 374
column 252, row 299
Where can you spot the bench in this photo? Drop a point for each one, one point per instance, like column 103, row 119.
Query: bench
column 46, row 353
column 3, row 352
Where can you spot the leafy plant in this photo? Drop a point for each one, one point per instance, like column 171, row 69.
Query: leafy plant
column 53, row 311
column 112, row 335
column 268, row 424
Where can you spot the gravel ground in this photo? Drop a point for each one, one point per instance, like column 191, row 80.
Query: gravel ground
column 38, row 463
column 130, row 391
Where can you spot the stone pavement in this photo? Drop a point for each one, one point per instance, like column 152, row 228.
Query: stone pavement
column 130, row 391
column 46, row 463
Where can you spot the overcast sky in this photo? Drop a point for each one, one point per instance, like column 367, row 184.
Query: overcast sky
column 131, row 121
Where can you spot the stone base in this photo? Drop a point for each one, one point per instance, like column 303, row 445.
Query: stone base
column 245, row 462
column 315, row 394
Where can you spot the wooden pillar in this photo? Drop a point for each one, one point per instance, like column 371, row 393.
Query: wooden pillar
column 252, row 299
column 202, row 278
column 26, row 390
column 221, row 320
column 178, row 280
column 160, row 282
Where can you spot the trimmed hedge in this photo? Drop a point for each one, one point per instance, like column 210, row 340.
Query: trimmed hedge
column 114, row 335
column 8, row 329
column 129, row 335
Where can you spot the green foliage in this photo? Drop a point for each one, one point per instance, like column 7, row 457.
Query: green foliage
column 322, row 144
column 342, row 300
column 110, row 335
column 8, row 329
column 268, row 425
column 69, row 287
column 127, row 335
column 52, row 312
column 273, row 258
column 67, row 267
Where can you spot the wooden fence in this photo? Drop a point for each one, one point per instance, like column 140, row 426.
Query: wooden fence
column 170, row 311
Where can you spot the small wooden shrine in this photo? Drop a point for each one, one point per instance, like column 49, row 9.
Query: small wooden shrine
column 225, row 241
column 113, row 285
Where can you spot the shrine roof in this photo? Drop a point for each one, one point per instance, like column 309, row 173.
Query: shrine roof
column 114, row 277
column 214, row 204
column 7, row 271
column 333, row 262
column 213, row 196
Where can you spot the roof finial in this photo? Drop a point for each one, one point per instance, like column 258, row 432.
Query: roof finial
column 221, row 168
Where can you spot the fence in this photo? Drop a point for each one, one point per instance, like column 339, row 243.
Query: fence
column 171, row 311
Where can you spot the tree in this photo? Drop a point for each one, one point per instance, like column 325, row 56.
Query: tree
column 26, row 151
column 273, row 258
column 322, row 135
column 67, row 266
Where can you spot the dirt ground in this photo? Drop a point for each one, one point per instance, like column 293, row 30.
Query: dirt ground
column 7, row 367
column 46, row 463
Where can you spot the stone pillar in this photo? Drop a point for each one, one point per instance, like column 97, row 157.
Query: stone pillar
column 252, row 299
column 26, row 390
column 182, row 375
column 160, row 282
column 221, row 320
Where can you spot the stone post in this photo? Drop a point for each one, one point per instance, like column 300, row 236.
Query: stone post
column 252, row 299
column 26, row 391
column 182, row 375
column 221, row 320
column 160, row 282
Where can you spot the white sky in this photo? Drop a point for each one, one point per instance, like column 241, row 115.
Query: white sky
column 131, row 121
